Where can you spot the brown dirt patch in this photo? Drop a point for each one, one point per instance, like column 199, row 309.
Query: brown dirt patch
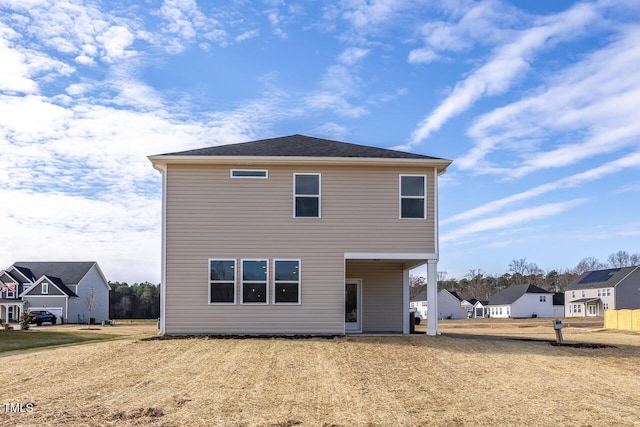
column 416, row 380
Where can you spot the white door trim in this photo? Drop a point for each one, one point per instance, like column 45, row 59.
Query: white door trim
column 355, row 327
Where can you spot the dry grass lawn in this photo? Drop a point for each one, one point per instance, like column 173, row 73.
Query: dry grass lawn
column 471, row 375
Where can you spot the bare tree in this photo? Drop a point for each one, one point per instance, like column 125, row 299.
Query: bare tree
column 588, row 264
column 90, row 302
column 623, row 259
column 479, row 285
column 442, row 276
column 518, row 268
column 417, row 284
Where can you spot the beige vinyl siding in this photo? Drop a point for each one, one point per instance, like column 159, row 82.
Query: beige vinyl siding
column 381, row 294
column 210, row 215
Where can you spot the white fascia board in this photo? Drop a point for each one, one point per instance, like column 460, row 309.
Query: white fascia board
column 440, row 164
column 391, row 255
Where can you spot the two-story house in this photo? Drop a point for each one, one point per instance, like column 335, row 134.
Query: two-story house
column 593, row 292
column 449, row 305
column 295, row 235
column 61, row 288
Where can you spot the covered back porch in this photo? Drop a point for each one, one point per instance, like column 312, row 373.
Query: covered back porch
column 377, row 291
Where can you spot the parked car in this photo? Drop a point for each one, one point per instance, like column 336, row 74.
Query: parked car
column 40, row 316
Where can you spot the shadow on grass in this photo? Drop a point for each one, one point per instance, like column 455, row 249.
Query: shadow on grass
column 26, row 340
column 541, row 340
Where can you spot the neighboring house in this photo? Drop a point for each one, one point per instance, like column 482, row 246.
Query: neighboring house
column 596, row 291
column 468, row 304
column 59, row 287
column 295, row 235
column 418, row 305
column 521, row 301
column 481, row 309
column 449, row 305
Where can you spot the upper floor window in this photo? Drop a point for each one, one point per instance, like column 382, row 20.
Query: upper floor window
column 584, row 294
column 413, row 203
column 286, row 281
column 254, row 281
column 306, row 195
column 222, row 281
column 10, row 289
column 45, row 288
column 249, row 173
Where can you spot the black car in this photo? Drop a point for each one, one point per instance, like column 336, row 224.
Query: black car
column 40, row 316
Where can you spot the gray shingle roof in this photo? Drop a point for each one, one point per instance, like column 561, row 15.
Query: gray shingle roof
column 300, row 145
column 600, row 278
column 58, row 282
column 513, row 292
column 422, row 296
column 69, row 272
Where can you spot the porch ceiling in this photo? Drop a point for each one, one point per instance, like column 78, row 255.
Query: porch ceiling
column 408, row 260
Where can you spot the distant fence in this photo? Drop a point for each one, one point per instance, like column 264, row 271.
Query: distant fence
column 628, row 320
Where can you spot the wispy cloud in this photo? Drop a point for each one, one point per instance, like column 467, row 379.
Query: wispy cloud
column 487, row 22
column 594, row 102
column 512, row 218
column 507, row 64
column 340, row 85
column 630, row 161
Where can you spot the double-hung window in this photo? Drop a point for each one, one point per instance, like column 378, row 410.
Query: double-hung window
column 306, row 189
column 222, row 281
column 286, row 281
column 254, row 281
column 45, row 288
column 413, row 203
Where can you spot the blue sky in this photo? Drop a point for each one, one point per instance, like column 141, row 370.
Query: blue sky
column 536, row 102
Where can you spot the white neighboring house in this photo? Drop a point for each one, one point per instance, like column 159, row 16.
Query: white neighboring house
column 448, row 305
column 418, row 305
column 524, row 300
column 593, row 292
column 480, row 309
column 61, row 288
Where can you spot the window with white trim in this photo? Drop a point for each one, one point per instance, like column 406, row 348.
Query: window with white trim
column 600, row 292
column 222, row 281
column 286, row 281
column 306, row 195
column 249, row 173
column 413, row 199
column 45, row 288
column 254, row 281
column 543, row 298
column 584, row 294
column 608, row 292
column 573, row 294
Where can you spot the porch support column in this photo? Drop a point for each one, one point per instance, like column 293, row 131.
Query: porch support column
column 405, row 301
column 432, row 297
column 6, row 313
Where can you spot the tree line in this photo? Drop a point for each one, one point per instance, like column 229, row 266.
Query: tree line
column 480, row 285
column 138, row 301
